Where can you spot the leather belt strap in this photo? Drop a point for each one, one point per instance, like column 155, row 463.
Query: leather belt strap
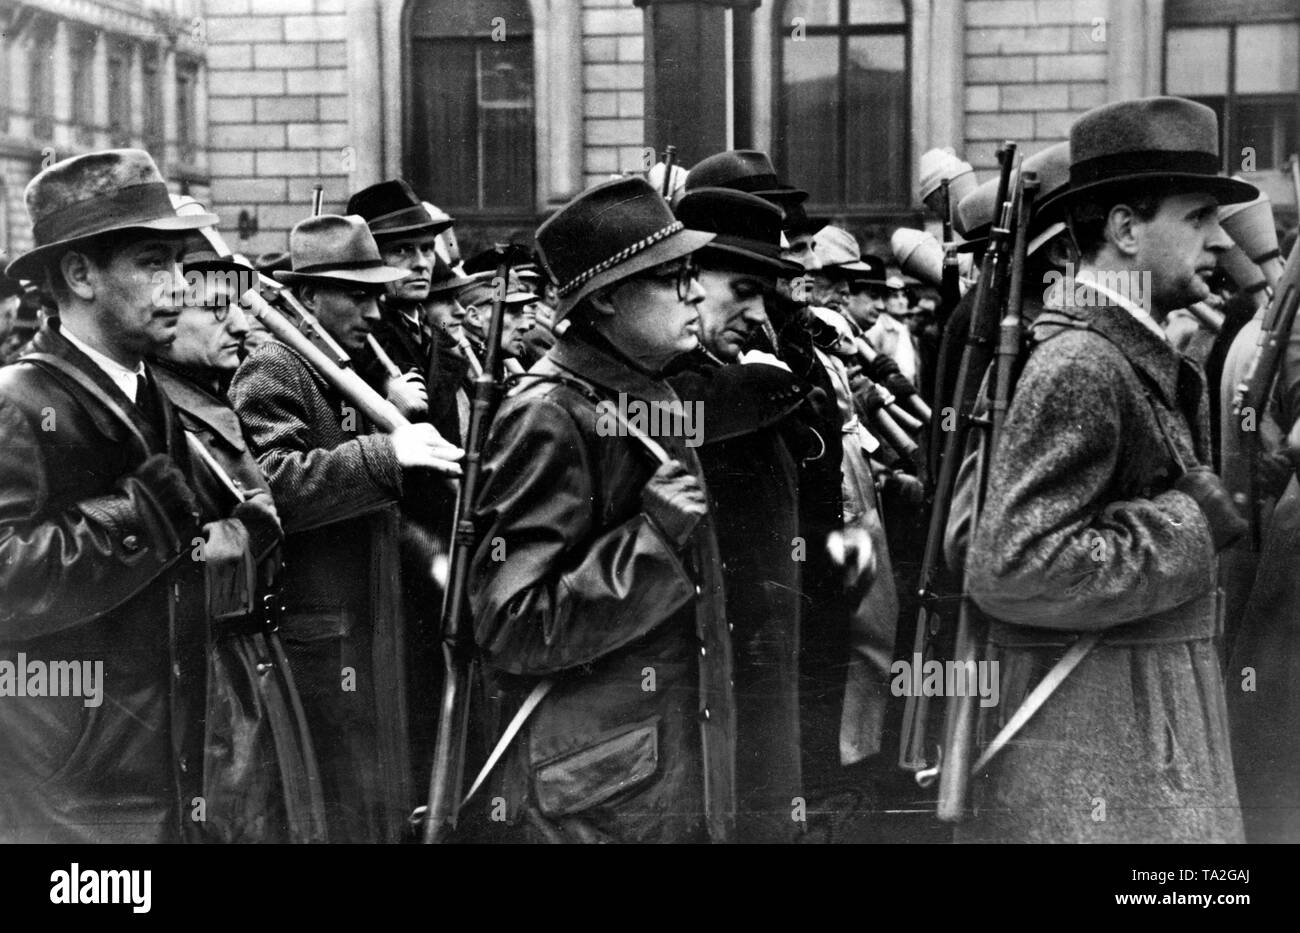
column 1037, row 697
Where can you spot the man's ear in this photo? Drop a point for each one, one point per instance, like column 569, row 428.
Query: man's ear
column 306, row 293
column 472, row 315
column 1121, row 222
column 602, row 302
column 78, row 272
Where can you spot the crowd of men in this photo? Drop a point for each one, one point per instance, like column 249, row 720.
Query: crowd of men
column 233, row 485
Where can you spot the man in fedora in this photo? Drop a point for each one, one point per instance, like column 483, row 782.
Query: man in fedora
column 1102, row 518
column 98, row 524
column 476, row 298
column 597, row 567
column 407, row 236
column 337, row 485
column 753, row 436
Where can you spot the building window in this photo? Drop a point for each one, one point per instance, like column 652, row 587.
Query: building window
column 1243, row 60
column 187, row 127
column 119, row 92
column 470, row 128
column 842, row 113
column 153, row 100
column 40, row 82
column 81, row 46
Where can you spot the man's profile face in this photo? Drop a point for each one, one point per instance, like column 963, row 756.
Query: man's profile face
column 445, row 311
column 830, row 292
column 140, row 290
column 346, row 310
column 210, row 334
column 653, row 320
column 800, row 250
column 415, row 254
column 518, row 320
column 1180, row 247
column 732, row 309
column 865, row 305
column 896, row 303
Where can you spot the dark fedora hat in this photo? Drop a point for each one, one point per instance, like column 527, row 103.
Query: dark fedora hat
column 93, row 194
column 443, row 279
column 1157, row 140
column 333, row 249
column 748, row 230
column 745, row 170
column 608, row 233
column 487, row 260
column 392, row 208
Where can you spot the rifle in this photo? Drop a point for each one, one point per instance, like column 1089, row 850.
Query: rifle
column 959, row 724
column 447, row 777
column 1256, row 386
column 670, row 155
column 975, row 359
column 950, row 285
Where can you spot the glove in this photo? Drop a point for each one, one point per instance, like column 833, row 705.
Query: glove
column 1226, row 524
column 259, row 517
column 1276, row 469
column 907, row 489
column 167, row 484
column 675, row 501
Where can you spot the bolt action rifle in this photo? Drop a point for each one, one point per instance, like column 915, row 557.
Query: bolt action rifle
column 975, row 359
column 447, row 778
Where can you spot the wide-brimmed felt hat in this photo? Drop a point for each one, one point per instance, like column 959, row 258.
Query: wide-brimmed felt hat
column 391, row 208
column 874, row 277
column 838, row 252
column 93, row 194
column 748, row 229
column 334, row 249
column 1158, row 140
column 443, row 279
column 609, row 233
column 745, row 170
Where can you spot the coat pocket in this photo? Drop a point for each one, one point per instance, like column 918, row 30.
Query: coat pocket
column 614, row 762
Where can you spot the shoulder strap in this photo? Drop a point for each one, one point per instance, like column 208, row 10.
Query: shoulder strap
column 58, row 363
column 588, row 391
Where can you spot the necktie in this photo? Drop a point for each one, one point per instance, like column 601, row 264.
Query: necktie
column 147, row 402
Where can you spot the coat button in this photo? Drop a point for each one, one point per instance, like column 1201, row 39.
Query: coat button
column 176, row 670
column 184, row 763
column 705, row 715
column 704, row 652
column 698, row 590
column 131, row 542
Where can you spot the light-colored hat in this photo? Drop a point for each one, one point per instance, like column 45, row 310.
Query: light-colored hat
column 838, row 250
column 333, row 249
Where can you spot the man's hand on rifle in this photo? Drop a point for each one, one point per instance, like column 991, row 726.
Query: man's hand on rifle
column 409, row 394
column 420, row 445
column 1276, row 469
column 853, row 550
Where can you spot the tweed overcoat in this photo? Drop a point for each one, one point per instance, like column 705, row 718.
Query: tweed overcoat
column 336, row 486
column 1082, row 532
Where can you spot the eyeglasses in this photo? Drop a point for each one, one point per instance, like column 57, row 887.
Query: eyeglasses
column 681, row 277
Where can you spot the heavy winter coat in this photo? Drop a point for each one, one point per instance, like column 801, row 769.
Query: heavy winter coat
column 1082, row 532
column 573, row 580
column 89, row 556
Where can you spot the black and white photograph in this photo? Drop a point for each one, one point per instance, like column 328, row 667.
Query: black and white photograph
column 482, row 422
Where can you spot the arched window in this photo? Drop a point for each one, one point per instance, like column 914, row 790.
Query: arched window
column 842, row 114
column 469, row 127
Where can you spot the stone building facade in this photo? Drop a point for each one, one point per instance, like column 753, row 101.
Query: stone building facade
column 500, row 110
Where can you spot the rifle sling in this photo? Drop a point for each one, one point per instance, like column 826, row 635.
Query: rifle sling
column 1081, row 646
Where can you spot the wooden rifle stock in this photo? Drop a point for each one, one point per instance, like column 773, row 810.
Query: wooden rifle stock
column 1252, row 395
column 959, row 724
column 373, row 406
column 974, row 360
column 447, row 777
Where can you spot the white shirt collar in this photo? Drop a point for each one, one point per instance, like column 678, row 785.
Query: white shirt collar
column 123, row 378
column 1141, row 314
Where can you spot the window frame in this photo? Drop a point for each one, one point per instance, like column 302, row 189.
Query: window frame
column 1230, row 19
column 844, row 31
column 522, row 213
